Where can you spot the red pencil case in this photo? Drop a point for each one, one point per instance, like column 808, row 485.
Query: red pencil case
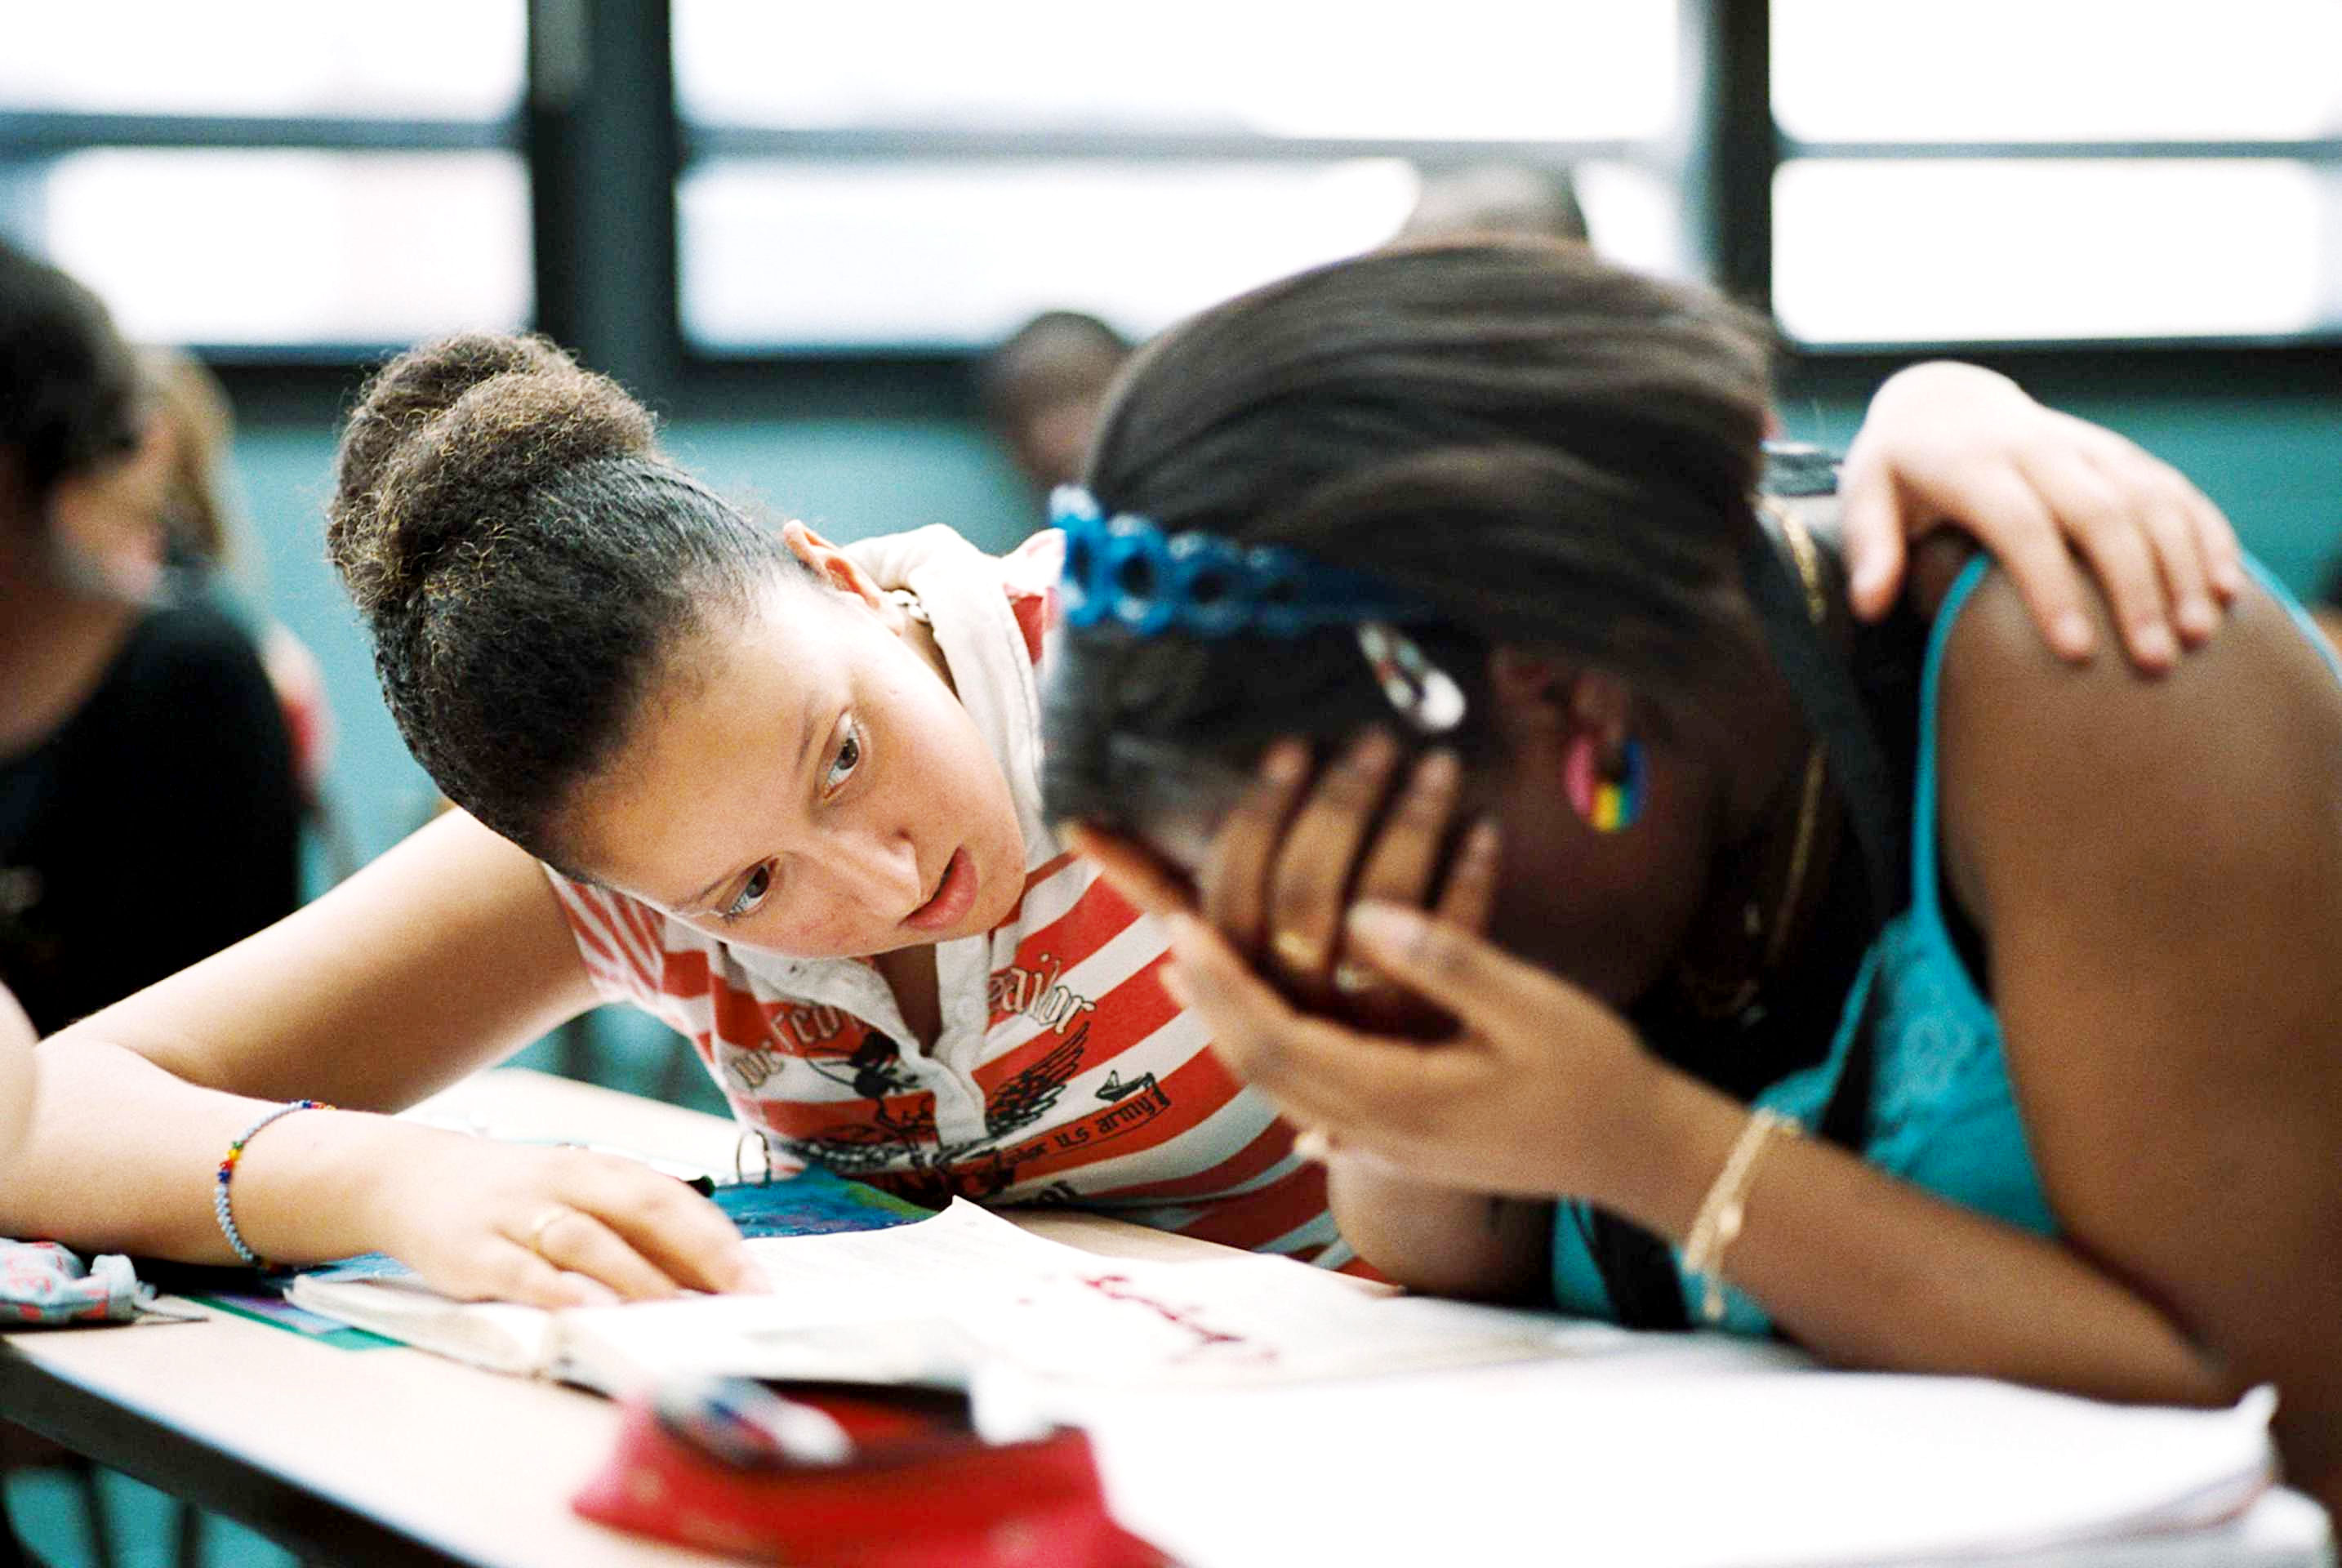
column 901, row 1481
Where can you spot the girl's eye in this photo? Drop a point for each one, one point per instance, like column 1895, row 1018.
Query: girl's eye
column 752, row 893
column 842, row 766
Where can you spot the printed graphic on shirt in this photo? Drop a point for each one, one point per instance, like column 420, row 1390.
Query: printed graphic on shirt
column 901, row 1151
column 1037, row 994
column 1084, row 1083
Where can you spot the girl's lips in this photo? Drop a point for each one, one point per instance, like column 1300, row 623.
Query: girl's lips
column 954, row 897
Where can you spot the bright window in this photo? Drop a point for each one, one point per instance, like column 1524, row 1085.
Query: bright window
column 1492, row 70
column 2015, row 170
column 252, row 248
column 273, row 173
column 2057, row 70
column 424, row 59
column 848, row 190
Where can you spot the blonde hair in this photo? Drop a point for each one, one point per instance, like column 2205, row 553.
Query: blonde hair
column 200, row 519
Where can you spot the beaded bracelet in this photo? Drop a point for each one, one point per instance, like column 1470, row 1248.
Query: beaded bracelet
column 1725, row 1208
column 228, row 1171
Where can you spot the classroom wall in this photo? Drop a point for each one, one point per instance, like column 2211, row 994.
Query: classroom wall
column 2272, row 460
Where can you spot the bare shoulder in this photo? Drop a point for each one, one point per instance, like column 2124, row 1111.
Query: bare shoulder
column 2156, row 864
column 2226, row 763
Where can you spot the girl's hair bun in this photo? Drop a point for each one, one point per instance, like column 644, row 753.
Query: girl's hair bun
column 449, row 441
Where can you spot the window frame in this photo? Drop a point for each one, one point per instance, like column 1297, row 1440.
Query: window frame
column 1758, row 125
column 31, row 137
column 604, row 145
column 771, row 382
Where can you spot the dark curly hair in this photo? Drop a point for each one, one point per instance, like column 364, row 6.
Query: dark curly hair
column 526, row 560
column 69, row 383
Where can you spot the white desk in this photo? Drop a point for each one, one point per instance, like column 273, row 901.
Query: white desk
column 393, row 1456
column 390, row 1455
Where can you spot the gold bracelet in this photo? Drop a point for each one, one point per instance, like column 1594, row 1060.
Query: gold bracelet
column 1725, row 1207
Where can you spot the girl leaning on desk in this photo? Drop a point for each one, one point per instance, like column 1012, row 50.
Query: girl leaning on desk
column 1898, row 989
column 723, row 772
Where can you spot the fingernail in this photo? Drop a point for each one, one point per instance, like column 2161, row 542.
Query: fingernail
column 590, row 1292
column 1386, row 925
column 2073, row 634
column 1438, row 773
column 2156, row 645
column 1374, row 750
column 1285, row 761
column 1174, row 985
column 1311, row 1145
column 2196, row 619
column 750, row 1279
column 1870, row 579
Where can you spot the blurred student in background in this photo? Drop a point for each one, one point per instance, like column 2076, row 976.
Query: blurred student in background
column 205, row 542
column 149, row 813
column 1505, row 198
column 1042, row 387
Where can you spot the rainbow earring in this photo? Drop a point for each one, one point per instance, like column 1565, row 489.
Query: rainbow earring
column 1608, row 797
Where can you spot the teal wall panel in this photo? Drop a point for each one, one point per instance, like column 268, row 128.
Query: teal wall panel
column 2272, row 462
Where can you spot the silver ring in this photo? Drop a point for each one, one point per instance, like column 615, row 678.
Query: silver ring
column 544, row 1222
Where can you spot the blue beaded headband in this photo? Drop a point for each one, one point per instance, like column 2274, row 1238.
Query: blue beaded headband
column 1124, row 571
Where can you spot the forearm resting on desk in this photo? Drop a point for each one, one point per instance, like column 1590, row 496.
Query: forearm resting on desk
column 1868, row 1270
column 125, row 1154
column 1862, row 1269
column 121, row 1157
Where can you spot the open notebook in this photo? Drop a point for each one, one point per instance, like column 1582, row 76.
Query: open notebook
column 942, row 1300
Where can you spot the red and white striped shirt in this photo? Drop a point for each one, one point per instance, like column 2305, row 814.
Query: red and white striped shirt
column 1062, row 1072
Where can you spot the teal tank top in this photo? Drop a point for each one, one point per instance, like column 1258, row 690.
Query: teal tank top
column 1943, row 1114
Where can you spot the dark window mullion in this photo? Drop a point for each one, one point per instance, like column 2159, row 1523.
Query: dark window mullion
column 1728, row 164
column 602, row 139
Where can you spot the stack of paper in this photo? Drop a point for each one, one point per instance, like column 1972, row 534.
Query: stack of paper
column 1663, row 1457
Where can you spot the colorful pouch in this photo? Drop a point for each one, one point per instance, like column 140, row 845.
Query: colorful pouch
column 44, row 1286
